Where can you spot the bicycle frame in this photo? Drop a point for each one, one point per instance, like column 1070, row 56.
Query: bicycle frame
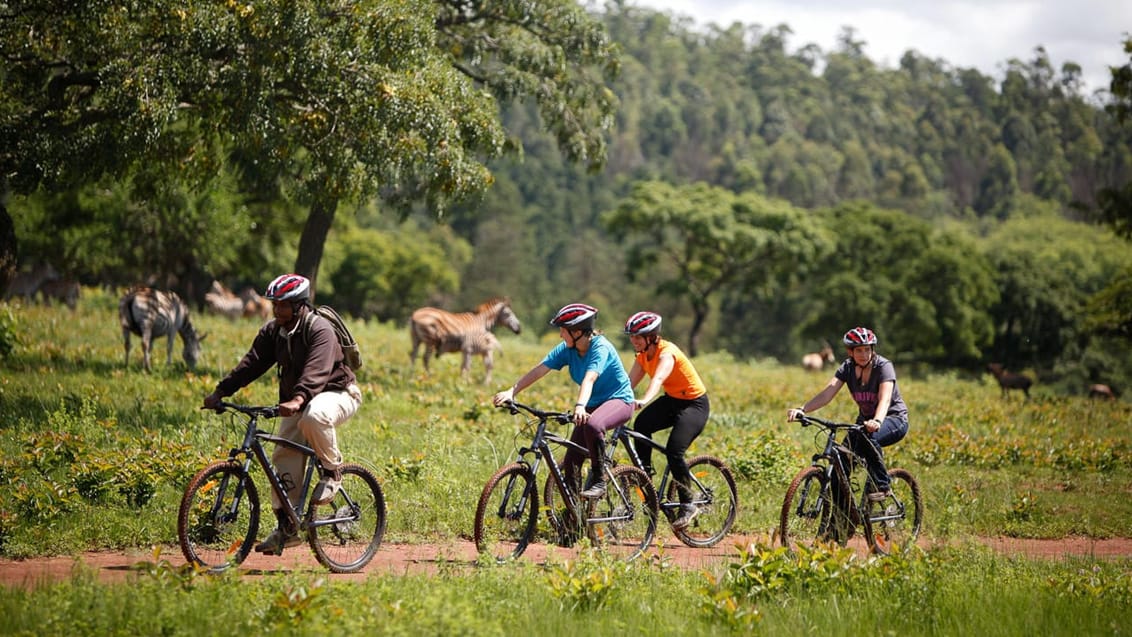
column 252, row 449
column 837, row 461
column 623, row 520
column 624, row 433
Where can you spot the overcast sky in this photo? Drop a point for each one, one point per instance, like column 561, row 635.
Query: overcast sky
column 983, row 34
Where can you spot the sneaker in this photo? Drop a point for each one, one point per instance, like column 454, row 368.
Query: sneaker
column 688, row 512
column 327, row 487
column 276, row 542
column 595, row 491
column 880, row 496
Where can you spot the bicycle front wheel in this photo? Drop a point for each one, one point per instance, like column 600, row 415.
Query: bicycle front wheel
column 507, row 512
column 219, row 517
column 564, row 526
column 346, row 532
column 714, row 496
column 623, row 521
column 893, row 524
column 809, row 514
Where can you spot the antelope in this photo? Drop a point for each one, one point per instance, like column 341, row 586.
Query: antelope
column 1101, row 391
column 815, row 361
column 1008, row 380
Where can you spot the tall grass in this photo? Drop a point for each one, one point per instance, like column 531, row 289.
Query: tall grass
column 94, row 455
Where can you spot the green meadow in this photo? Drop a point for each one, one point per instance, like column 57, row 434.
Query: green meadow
column 95, row 455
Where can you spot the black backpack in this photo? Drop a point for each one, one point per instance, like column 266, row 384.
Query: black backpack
column 349, row 345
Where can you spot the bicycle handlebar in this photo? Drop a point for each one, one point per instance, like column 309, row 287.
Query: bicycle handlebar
column 558, row 416
column 263, row 411
column 808, row 420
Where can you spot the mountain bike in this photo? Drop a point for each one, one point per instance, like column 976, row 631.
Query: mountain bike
column 713, row 490
column 824, row 503
column 622, row 522
column 219, row 515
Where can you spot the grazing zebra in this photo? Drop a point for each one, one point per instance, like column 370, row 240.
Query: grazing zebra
column 66, row 291
column 25, row 284
column 220, row 300
column 442, row 331
column 150, row 313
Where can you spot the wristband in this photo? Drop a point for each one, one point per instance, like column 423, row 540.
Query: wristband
column 579, row 404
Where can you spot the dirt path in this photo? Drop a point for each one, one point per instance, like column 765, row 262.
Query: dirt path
column 401, row 559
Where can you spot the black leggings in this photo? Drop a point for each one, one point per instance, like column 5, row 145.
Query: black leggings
column 687, row 419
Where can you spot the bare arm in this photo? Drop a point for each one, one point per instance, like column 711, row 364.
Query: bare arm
column 664, row 368
column 585, row 390
column 528, row 379
column 820, row 400
column 884, row 399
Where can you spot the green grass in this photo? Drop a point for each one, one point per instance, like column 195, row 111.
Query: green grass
column 95, row 456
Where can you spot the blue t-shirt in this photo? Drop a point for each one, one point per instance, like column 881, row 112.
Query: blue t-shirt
column 612, row 379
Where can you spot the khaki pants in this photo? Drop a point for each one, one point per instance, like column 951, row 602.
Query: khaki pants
column 314, row 427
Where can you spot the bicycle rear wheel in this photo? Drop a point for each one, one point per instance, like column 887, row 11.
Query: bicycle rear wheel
column 346, row 532
column 714, row 495
column 894, row 523
column 219, row 517
column 507, row 512
column 623, row 521
column 810, row 514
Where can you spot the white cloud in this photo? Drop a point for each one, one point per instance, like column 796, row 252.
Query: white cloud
column 980, row 34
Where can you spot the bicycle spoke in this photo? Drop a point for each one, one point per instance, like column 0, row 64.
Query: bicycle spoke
column 218, row 517
column 623, row 522
column 715, row 497
column 507, row 513
column 346, row 532
column 894, row 523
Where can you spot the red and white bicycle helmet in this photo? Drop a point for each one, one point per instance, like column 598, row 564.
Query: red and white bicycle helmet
column 643, row 323
column 288, row 287
column 576, row 315
column 859, row 336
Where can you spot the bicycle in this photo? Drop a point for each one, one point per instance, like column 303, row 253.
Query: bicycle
column 821, row 503
column 713, row 490
column 622, row 522
column 218, row 519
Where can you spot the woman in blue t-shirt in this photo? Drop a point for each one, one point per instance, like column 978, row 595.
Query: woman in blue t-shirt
column 872, row 383
column 605, row 398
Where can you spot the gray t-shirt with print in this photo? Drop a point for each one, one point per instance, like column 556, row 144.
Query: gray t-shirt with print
column 866, row 394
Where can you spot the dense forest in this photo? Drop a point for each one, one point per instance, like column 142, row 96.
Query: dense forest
column 763, row 195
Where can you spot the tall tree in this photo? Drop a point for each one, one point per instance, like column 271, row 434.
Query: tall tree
column 694, row 241
column 339, row 100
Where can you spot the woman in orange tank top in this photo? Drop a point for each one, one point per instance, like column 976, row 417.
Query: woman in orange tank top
column 683, row 405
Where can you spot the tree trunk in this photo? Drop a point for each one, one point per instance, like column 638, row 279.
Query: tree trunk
column 699, row 316
column 8, row 249
column 313, row 240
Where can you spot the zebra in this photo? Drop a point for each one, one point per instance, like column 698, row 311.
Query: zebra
column 151, row 313
column 66, row 291
column 442, row 331
column 26, row 284
column 477, row 343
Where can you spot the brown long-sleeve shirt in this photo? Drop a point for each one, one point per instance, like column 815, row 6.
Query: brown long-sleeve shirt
column 305, row 368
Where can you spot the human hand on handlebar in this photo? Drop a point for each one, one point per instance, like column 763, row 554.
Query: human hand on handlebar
column 794, row 414
column 505, row 396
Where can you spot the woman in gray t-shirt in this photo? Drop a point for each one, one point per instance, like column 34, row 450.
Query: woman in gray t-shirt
column 871, row 379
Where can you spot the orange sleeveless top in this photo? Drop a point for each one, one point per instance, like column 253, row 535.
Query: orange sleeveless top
column 684, row 382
